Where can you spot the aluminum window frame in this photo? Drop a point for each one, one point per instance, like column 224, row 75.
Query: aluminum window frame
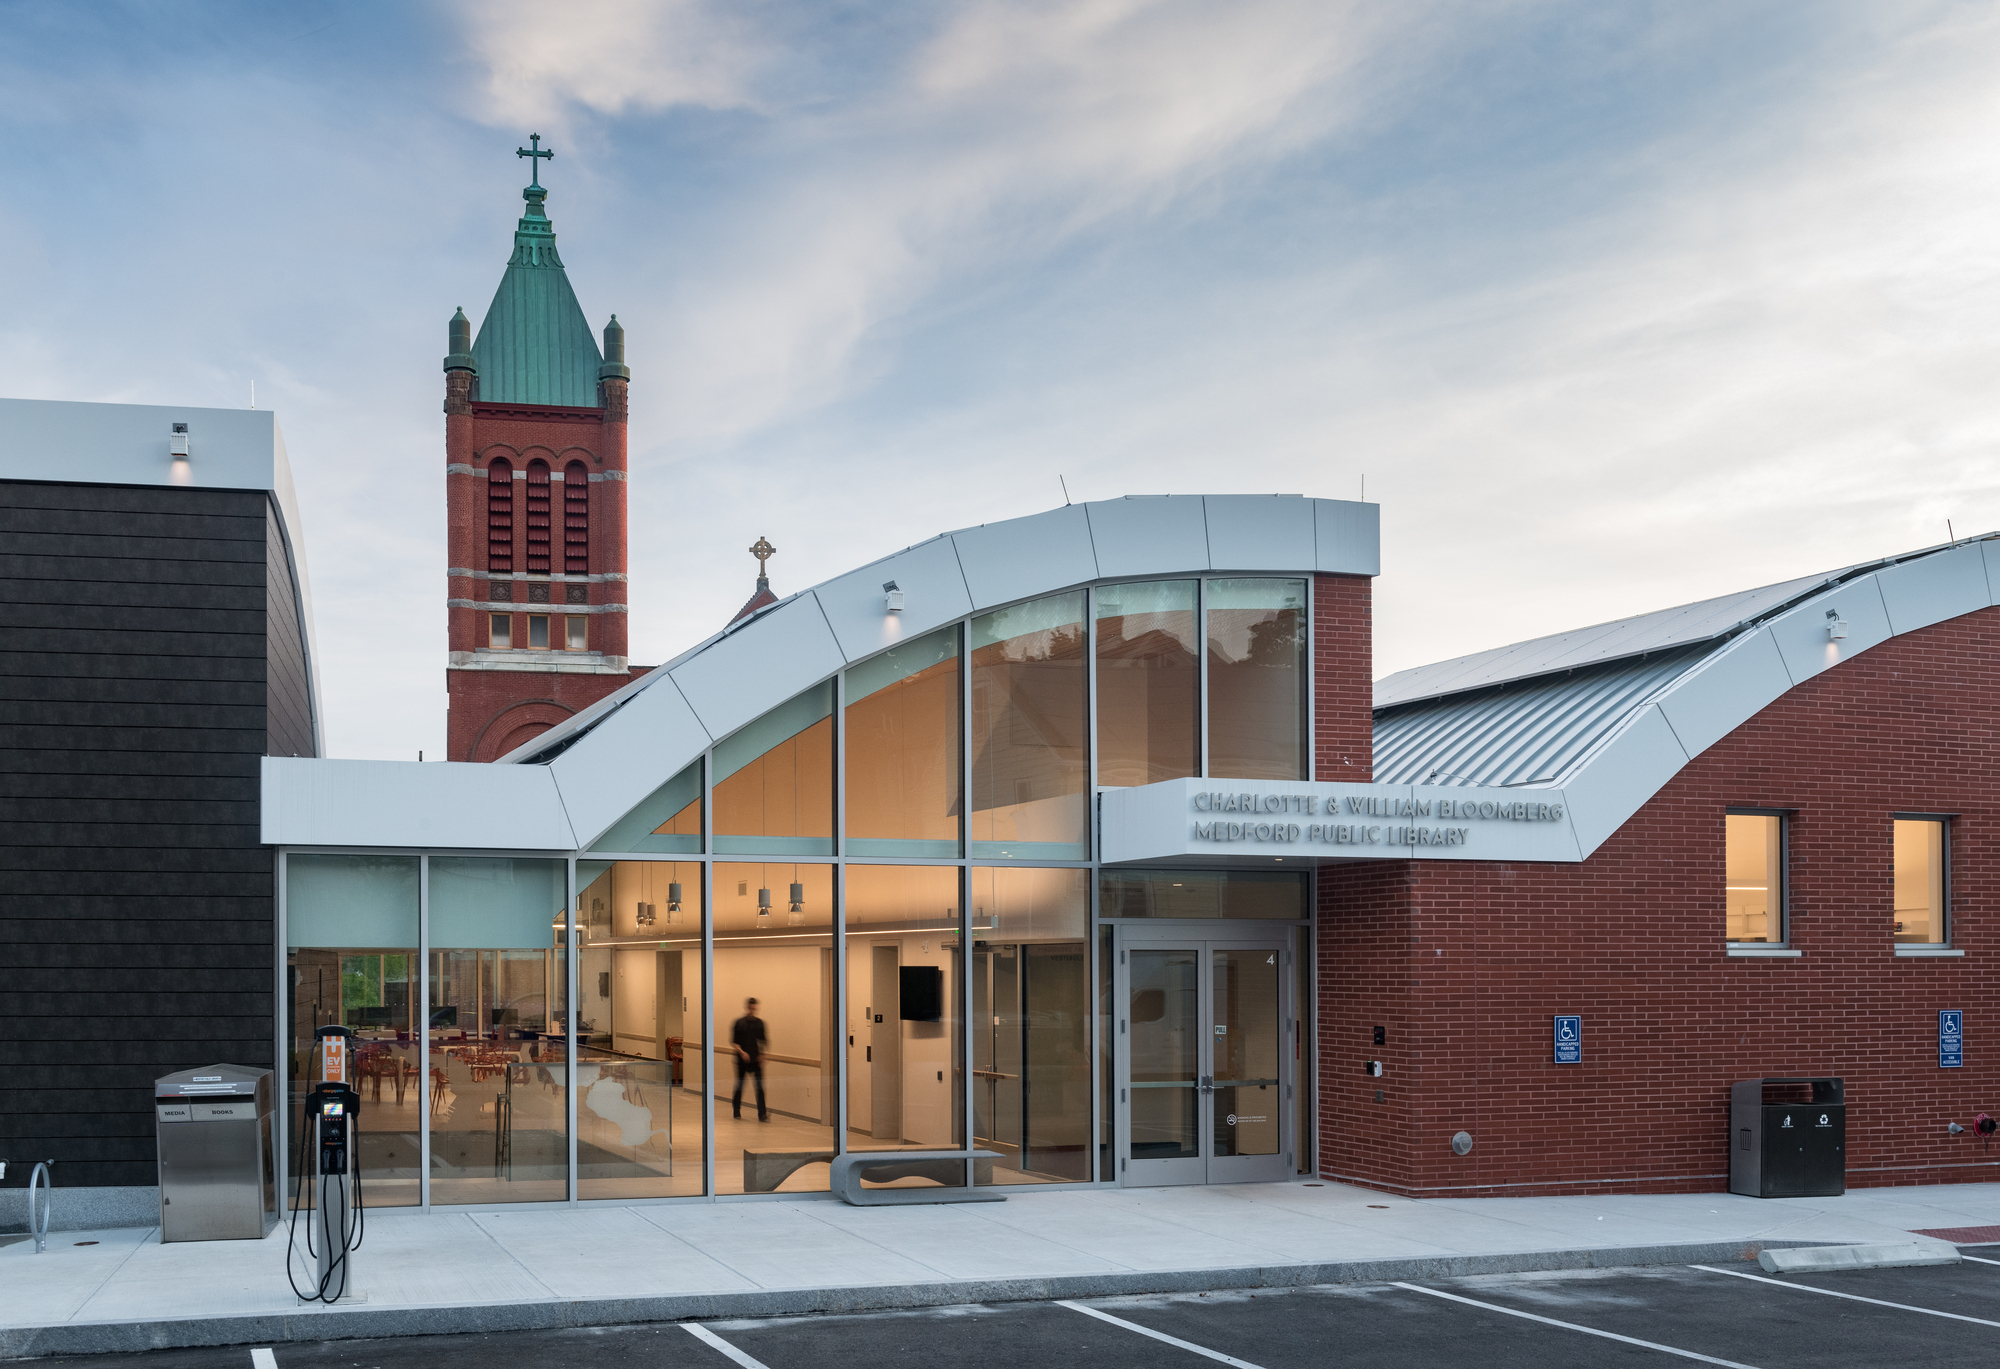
column 1785, row 817
column 1944, row 821
column 707, row 858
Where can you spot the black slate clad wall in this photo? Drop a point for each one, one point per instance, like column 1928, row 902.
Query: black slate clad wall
column 150, row 653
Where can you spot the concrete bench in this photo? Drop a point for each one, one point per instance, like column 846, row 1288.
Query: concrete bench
column 764, row 1170
column 945, row 1167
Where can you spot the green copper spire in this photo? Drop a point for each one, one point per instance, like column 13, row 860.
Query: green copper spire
column 535, row 346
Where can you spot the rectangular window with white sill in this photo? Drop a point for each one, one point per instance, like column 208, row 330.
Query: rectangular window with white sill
column 1754, row 870
column 1922, row 846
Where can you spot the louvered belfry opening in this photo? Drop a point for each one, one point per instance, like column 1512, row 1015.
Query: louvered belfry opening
column 500, row 516
column 576, row 519
column 538, row 517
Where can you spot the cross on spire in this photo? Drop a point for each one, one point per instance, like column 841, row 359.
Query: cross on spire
column 535, row 152
column 763, row 551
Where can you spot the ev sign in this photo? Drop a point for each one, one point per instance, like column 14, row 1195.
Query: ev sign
column 1569, row 1040
column 1951, row 1039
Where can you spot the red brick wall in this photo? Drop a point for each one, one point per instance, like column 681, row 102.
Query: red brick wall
column 1343, row 678
column 1466, row 962
column 494, row 711
column 491, row 712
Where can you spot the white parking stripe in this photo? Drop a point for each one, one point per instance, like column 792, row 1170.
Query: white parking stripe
column 262, row 1358
column 702, row 1333
column 1572, row 1326
column 1158, row 1335
column 1851, row 1297
column 1975, row 1259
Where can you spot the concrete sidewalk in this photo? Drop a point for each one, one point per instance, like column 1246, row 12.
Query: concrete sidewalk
column 543, row 1267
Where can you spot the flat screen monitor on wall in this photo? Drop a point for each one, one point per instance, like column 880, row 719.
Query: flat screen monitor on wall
column 923, row 993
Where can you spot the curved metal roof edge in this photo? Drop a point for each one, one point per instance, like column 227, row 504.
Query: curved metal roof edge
column 736, row 675
column 1646, row 747
column 1812, row 585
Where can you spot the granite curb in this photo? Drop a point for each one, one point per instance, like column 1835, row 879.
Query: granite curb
column 364, row 1322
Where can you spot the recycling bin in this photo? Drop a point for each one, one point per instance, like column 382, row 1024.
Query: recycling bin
column 218, row 1162
column 1788, row 1138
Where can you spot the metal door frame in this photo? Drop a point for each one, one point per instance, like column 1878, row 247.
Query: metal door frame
column 1203, row 937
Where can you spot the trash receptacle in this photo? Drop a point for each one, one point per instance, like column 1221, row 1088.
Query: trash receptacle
column 218, row 1164
column 1788, row 1138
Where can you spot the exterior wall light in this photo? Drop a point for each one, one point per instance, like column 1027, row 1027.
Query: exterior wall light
column 182, row 471
column 892, row 596
column 1836, row 626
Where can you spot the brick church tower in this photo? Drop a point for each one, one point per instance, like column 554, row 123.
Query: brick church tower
column 535, row 496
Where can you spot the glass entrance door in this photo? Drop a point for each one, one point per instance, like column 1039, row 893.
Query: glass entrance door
column 1204, row 1089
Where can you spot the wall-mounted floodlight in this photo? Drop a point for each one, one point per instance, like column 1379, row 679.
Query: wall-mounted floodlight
column 892, row 596
column 182, row 471
column 1836, row 626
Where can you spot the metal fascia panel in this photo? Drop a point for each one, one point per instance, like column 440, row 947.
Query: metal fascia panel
column 1024, row 558
column 934, row 594
column 1622, row 776
column 1725, row 691
column 1931, row 589
column 1802, row 638
column 787, row 650
column 309, row 802
column 1348, row 537
column 601, row 784
column 1153, row 535
column 1260, row 532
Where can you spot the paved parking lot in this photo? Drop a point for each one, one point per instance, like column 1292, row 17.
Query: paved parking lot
column 1908, row 1318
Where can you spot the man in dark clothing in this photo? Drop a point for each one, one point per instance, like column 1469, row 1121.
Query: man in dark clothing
column 748, row 1037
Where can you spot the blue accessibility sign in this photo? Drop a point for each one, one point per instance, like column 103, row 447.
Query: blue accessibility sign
column 1951, row 1039
column 1569, row 1040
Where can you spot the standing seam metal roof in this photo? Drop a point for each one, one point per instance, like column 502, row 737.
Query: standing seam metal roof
column 1534, row 712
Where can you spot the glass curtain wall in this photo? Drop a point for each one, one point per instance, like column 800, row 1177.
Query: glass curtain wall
column 498, row 1071
column 351, row 958
column 1031, row 1022
column 1257, row 679
column 905, row 1023
column 904, row 719
column 639, row 990
column 1030, row 730
column 774, row 1028
column 669, row 821
column 945, row 1040
column 774, row 781
column 1148, row 683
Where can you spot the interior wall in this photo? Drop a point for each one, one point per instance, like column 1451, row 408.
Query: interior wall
column 790, row 984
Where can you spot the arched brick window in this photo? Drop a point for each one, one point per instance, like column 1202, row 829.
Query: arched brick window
column 500, row 515
column 538, row 517
column 576, row 519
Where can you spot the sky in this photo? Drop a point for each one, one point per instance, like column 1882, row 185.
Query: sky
column 1611, row 307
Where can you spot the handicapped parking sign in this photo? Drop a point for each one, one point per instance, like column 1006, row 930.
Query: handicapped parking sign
column 1951, row 1039
column 1569, row 1040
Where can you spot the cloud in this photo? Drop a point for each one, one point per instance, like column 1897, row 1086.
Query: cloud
column 612, row 57
column 1004, row 133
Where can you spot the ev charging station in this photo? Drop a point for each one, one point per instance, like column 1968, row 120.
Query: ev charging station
column 329, row 1136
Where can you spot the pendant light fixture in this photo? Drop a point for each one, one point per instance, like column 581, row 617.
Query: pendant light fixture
column 674, row 902
column 763, row 907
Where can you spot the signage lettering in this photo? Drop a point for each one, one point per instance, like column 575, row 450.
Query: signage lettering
column 1407, row 834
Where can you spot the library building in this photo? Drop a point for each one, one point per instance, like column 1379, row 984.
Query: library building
column 1085, row 841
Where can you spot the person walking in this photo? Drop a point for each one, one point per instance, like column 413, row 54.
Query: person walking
column 748, row 1037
